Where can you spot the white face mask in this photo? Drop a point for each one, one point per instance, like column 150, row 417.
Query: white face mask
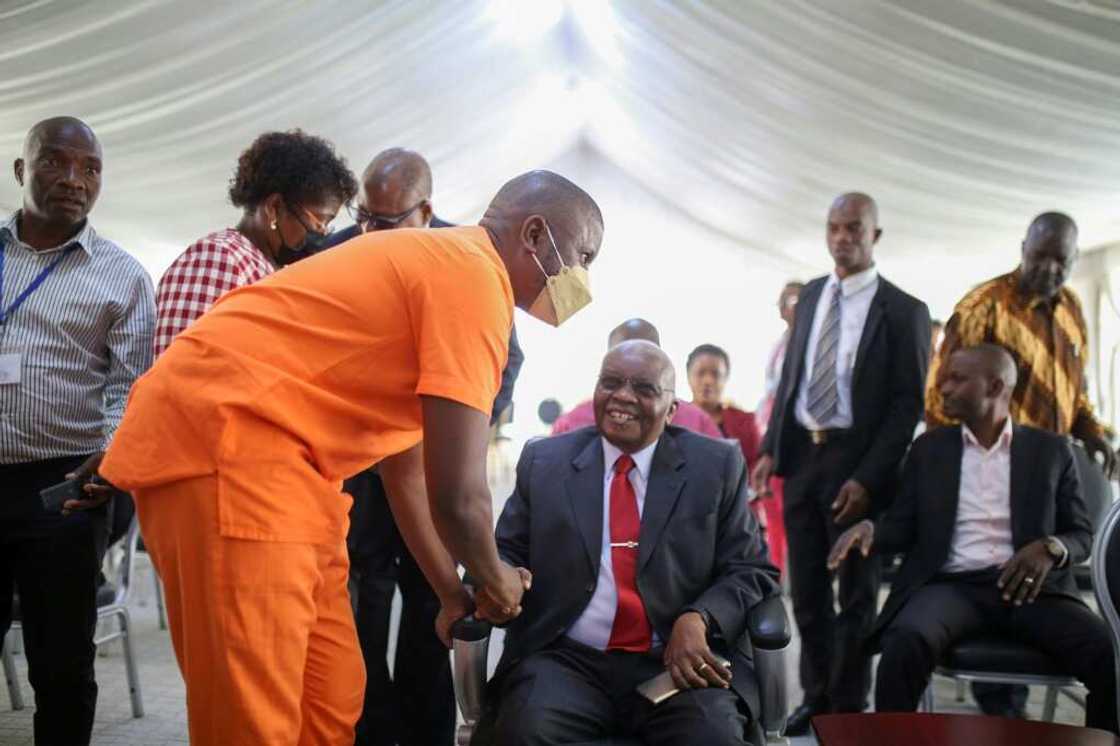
column 564, row 293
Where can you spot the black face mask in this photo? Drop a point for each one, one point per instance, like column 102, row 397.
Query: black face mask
column 312, row 243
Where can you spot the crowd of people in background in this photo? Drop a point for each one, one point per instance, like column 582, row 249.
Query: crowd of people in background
column 277, row 358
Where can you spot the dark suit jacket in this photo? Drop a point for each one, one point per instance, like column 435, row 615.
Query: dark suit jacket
column 1046, row 500
column 699, row 548
column 888, row 387
column 515, row 358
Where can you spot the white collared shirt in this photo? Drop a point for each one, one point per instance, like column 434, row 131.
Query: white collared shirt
column 982, row 534
column 593, row 628
column 856, row 293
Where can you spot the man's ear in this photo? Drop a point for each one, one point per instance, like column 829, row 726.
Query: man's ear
column 17, row 169
column 532, row 233
column 672, row 411
column 878, row 235
column 426, row 213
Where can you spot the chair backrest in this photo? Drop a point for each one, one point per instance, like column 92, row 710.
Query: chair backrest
column 1106, row 578
column 1095, row 486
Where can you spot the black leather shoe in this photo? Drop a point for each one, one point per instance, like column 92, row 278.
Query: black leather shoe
column 798, row 722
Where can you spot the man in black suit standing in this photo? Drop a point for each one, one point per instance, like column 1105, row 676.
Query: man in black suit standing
column 845, row 411
column 645, row 558
column 415, row 706
column 991, row 518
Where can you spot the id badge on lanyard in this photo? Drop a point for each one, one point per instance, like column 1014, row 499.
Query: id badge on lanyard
column 11, row 359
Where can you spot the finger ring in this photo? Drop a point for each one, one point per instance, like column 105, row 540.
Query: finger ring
column 1028, row 581
column 701, row 667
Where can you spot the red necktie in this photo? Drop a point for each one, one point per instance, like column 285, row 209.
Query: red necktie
column 631, row 630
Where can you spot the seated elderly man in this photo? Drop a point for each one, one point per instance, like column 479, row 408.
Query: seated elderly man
column 644, row 559
column 991, row 518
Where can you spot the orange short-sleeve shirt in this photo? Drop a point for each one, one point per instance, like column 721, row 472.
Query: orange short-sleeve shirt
column 288, row 386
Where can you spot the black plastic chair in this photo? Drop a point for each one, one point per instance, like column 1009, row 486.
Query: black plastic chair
column 1106, row 579
column 767, row 624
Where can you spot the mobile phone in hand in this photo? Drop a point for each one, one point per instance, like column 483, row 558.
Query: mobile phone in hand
column 55, row 497
column 661, row 687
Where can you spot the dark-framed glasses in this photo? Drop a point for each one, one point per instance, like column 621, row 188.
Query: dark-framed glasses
column 371, row 221
column 642, row 389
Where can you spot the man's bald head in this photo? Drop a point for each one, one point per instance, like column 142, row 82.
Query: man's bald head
column 60, row 173
column 977, row 385
column 396, row 191
column 634, row 398
column 59, row 128
column 527, row 214
column 852, row 232
column 1049, row 253
column 633, row 329
column 994, row 362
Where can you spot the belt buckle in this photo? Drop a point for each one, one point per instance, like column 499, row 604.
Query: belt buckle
column 819, row 437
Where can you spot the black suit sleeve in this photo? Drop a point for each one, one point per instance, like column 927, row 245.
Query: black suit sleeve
column 512, row 533
column 743, row 575
column 896, row 531
column 1071, row 520
column 509, row 377
column 910, row 352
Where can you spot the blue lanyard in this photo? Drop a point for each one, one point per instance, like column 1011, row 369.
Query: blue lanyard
column 5, row 313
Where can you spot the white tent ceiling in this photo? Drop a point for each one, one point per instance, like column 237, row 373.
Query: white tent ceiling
column 963, row 118
column 737, row 121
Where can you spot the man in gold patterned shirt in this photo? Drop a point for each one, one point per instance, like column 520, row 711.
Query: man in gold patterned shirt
column 1030, row 313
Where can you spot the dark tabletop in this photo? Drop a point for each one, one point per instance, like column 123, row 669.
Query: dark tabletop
column 921, row 729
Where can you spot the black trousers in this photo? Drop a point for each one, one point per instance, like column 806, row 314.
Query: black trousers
column 52, row 562
column 416, row 705
column 835, row 671
column 955, row 606
column 572, row 694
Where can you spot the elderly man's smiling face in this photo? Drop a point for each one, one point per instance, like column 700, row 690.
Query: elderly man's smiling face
column 634, row 397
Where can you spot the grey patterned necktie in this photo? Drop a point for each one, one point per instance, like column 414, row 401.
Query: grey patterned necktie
column 824, row 399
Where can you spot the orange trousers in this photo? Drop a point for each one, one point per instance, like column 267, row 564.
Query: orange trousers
column 263, row 631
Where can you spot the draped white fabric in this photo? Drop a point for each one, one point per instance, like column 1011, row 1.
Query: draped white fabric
column 734, row 122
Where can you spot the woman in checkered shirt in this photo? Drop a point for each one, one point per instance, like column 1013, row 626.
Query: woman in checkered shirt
column 290, row 186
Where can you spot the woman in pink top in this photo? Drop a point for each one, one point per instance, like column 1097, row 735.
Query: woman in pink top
column 290, row 186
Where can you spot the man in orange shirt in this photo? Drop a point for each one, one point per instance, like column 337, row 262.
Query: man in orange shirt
column 389, row 350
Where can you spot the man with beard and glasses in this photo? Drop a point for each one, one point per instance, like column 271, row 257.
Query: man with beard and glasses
column 76, row 320
column 290, row 186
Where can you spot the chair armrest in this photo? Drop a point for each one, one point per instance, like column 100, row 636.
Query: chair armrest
column 769, row 630
column 768, row 624
column 470, row 649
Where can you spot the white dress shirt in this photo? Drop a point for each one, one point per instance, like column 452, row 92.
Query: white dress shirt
column 593, row 628
column 982, row 535
column 856, row 293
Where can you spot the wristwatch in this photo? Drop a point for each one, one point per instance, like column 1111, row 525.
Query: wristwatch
column 1055, row 549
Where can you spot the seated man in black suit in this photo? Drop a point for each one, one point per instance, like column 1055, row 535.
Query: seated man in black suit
column 991, row 518
column 644, row 558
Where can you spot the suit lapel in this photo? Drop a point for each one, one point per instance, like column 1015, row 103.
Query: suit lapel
column 585, row 491
column 662, row 493
column 800, row 342
column 1021, row 453
column 951, row 452
column 870, row 329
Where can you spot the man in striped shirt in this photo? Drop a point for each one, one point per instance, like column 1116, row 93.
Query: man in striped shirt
column 1030, row 313
column 76, row 322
